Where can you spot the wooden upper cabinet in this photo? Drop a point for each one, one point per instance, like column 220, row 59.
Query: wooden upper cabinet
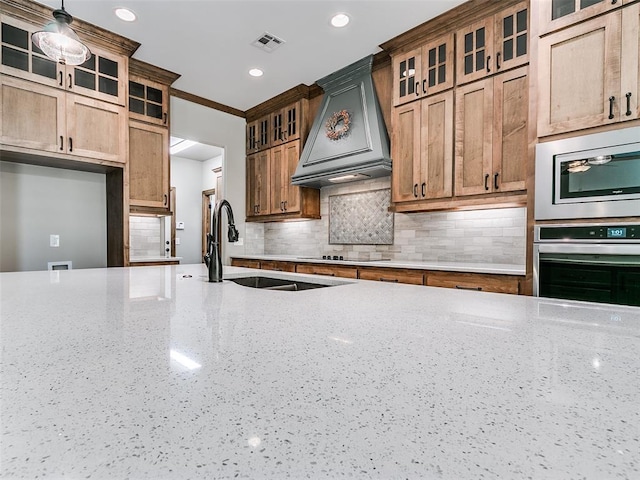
column 148, row 165
column 103, row 76
column 423, row 71
column 422, row 149
column 47, row 119
column 588, row 73
column 491, row 134
column 258, row 136
column 258, row 183
column 493, row 44
column 557, row 14
column 148, row 101
column 286, row 124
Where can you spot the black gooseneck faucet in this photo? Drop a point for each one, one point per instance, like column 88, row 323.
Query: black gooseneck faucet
column 213, row 257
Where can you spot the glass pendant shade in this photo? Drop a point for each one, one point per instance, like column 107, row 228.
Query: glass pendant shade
column 59, row 42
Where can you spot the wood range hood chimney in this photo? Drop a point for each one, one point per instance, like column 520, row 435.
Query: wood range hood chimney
column 348, row 140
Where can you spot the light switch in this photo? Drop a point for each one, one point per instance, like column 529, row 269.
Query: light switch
column 177, row 241
column 54, row 240
column 179, row 225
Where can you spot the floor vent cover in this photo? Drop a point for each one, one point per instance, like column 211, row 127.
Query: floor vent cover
column 267, row 42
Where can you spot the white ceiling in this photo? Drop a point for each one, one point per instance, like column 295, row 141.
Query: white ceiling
column 209, row 41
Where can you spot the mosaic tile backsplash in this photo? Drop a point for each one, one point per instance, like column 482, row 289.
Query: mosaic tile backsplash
column 361, row 218
column 487, row 236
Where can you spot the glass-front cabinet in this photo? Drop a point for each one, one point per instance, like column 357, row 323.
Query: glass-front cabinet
column 557, row 14
column 148, row 100
column 285, row 124
column 100, row 77
column 423, row 71
column 258, row 136
column 494, row 44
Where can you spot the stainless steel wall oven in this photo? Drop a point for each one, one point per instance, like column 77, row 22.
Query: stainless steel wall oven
column 591, row 176
column 592, row 262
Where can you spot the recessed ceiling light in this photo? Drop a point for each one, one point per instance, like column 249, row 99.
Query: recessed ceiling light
column 340, row 20
column 255, row 72
column 125, row 14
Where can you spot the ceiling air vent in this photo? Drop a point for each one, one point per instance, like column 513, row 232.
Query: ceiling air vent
column 267, row 42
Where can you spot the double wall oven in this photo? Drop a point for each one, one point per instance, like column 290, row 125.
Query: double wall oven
column 588, row 177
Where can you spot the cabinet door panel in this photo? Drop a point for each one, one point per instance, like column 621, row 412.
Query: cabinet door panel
column 332, row 271
column 579, row 71
column 475, row 281
column 557, row 14
column 437, row 65
column 259, row 179
column 96, row 129
column 437, row 146
column 512, row 37
column 291, row 158
column 278, row 188
column 630, row 63
column 32, row 115
column 405, row 152
column 407, row 81
column 148, row 165
column 474, row 112
column 475, row 58
column 510, row 150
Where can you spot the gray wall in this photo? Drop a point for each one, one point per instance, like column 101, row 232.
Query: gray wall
column 36, row 202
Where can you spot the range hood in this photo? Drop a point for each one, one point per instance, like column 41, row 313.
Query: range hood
column 348, row 140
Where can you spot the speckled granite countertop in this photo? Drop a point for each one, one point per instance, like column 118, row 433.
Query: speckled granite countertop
column 153, row 373
column 496, row 268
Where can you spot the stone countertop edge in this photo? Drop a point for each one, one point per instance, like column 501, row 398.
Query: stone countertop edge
column 462, row 267
column 154, row 259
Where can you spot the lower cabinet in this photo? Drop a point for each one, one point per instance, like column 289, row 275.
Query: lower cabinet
column 330, row 270
column 392, row 275
column 480, row 282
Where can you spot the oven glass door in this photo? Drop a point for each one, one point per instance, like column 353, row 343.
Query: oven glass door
column 590, row 277
column 598, row 175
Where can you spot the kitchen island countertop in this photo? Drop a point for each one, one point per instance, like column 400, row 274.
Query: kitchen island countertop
column 152, row 372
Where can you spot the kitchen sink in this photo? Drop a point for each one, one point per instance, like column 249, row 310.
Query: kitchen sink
column 269, row 283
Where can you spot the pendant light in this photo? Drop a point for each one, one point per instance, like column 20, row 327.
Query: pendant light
column 59, row 42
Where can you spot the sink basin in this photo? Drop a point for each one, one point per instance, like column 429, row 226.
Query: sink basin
column 269, row 283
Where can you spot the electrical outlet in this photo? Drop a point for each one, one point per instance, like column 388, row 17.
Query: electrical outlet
column 54, row 240
column 179, row 225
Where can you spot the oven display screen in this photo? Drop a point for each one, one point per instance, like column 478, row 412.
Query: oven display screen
column 620, row 232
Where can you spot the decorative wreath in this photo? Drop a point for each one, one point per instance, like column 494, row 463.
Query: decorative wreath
column 337, row 125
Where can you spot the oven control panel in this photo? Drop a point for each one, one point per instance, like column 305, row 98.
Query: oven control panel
column 602, row 233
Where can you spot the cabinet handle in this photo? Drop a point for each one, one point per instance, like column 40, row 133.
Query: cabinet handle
column 415, row 190
column 424, row 86
column 495, row 181
column 613, row 2
column 611, row 100
column 390, row 280
column 70, row 144
column 165, row 199
column 61, row 142
column 488, row 63
column 70, row 82
column 628, row 112
column 164, row 118
column 464, row 287
column 486, row 182
column 424, row 189
column 282, row 206
column 285, row 205
column 417, row 89
column 61, row 78
column 498, row 61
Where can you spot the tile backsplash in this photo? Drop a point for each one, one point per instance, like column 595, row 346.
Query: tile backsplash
column 487, row 236
column 145, row 237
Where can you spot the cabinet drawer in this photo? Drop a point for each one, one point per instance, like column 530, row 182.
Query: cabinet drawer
column 475, row 281
column 392, row 275
column 246, row 263
column 277, row 266
column 332, row 271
